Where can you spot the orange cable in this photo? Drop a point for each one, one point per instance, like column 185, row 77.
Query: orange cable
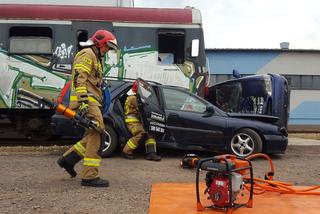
column 263, row 185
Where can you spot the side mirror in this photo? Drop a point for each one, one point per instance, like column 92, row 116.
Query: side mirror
column 195, row 48
column 209, row 111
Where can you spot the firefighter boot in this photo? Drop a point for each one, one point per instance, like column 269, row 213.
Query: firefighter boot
column 152, row 153
column 152, row 156
column 129, row 156
column 96, row 182
column 68, row 162
column 127, row 153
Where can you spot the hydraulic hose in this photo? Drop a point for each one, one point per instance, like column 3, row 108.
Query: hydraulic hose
column 269, row 185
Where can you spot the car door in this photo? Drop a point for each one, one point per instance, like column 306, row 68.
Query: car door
column 188, row 120
column 152, row 115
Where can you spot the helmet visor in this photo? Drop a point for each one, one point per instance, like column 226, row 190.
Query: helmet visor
column 112, row 45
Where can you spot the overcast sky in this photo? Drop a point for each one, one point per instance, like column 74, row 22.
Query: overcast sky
column 244, row 23
column 254, row 23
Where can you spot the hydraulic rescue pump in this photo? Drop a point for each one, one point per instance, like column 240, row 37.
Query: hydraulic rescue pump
column 225, row 179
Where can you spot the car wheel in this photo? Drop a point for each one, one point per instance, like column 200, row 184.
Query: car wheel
column 111, row 142
column 245, row 142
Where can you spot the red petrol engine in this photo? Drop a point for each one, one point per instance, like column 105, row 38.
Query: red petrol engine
column 224, row 181
column 218, row 191
column 218, row 187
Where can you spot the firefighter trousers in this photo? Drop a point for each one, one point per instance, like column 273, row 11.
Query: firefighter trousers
column 88, row 147
column 139, row 135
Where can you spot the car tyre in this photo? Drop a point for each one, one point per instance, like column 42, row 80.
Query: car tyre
column 111, row 142
column 245, row 142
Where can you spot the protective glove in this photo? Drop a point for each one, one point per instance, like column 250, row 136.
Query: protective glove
column 83, row 108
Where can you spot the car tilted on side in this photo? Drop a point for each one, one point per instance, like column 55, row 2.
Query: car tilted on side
column 181, row 120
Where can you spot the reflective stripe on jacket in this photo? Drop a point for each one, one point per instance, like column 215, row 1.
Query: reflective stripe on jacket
column 87, row 78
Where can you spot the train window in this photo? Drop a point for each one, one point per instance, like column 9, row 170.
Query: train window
column 82, row 36
column 171, row 47
column 30, row 40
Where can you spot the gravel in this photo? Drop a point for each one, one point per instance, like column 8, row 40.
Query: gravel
column 31, row 181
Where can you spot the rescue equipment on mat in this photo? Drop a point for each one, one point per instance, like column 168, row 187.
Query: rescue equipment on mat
column 189, row 161
column 228, row 175
column 224, row 181
column 79, row 118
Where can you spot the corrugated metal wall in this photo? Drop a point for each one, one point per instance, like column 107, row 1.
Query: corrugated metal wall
column 301, row 67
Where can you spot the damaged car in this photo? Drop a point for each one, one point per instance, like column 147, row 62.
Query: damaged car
column 179, row 119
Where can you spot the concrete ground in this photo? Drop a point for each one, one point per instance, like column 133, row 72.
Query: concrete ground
column 32, row 182
column 303, row 142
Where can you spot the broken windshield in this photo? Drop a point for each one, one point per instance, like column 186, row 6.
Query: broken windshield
column 243, row 96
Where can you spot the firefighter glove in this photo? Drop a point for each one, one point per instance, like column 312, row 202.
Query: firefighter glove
column 83, row 108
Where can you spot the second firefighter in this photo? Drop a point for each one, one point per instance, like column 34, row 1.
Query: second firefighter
column 134, row 124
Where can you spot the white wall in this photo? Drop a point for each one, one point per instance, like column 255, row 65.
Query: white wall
column 299, row 96
column 293, row 63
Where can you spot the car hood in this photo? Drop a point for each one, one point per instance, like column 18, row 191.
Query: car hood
column 263, row 118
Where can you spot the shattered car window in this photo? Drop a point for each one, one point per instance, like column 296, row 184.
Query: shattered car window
column 228, row 97
column 242, row 97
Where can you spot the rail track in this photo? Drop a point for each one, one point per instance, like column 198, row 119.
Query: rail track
column 6, row 141
column 27, row 142
column 10, row 137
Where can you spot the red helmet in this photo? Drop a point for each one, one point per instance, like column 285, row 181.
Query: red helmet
column 102, row 37
column 135, row 86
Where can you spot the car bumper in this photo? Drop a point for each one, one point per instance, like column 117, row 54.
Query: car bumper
column 275, row 144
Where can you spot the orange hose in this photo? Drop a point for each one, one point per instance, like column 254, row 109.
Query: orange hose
column 269, row 185
column 270, row 174
column 265, row 185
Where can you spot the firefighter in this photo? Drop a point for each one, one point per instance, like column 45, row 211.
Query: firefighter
column 86, row 97
column 139, row 135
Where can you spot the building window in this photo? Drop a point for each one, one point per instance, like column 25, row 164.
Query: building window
column 316, row 82
column 303, row 82
column 30, row 40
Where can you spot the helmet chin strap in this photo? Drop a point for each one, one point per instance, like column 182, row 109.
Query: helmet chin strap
column 99, row 52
